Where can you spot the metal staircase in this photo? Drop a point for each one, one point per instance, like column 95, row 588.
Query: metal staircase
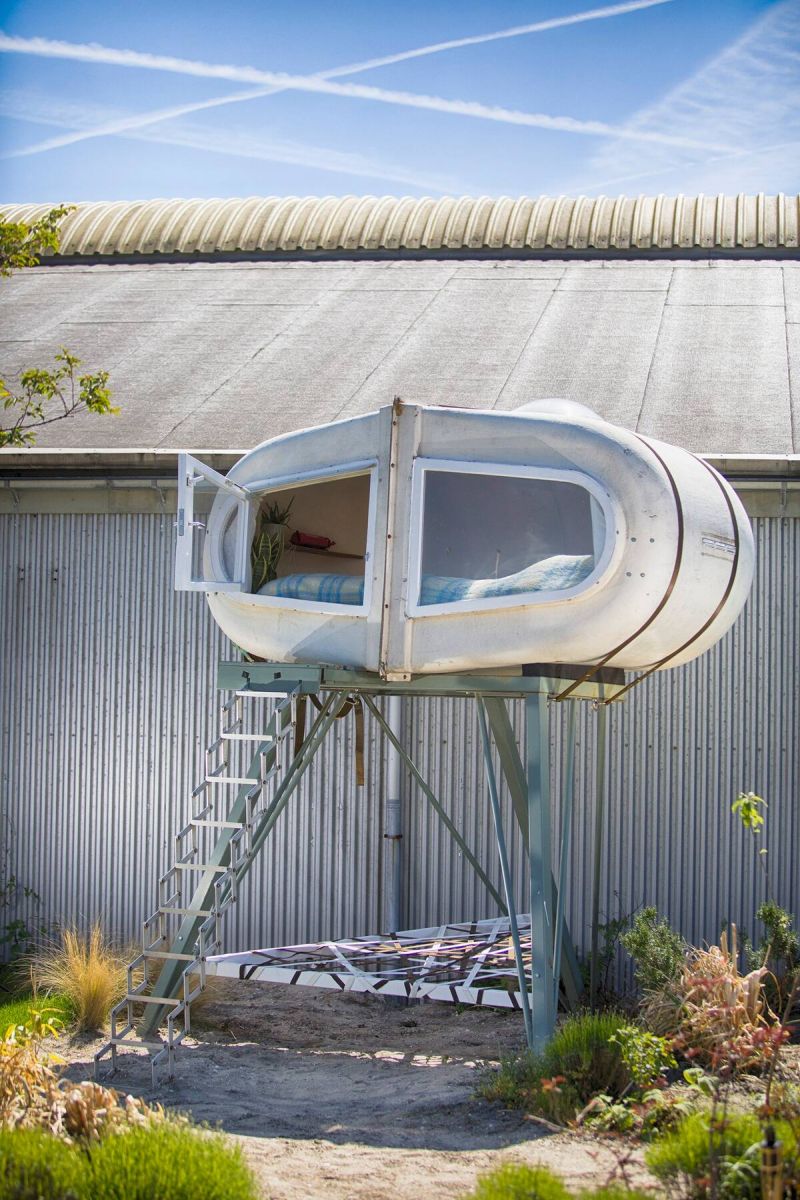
column 231, row 813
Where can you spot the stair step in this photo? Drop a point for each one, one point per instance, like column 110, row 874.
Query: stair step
column 207, row 823
column 170, row 955
column 239, row 779
column 134, row 1043
column 248, row 737
column 184, row 866
column 188, row 912
column 263, row 693
column 137, row 999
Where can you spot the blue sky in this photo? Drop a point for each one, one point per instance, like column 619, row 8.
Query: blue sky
column 675, row 96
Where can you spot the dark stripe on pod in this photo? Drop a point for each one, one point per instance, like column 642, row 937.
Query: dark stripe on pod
column 587, row 675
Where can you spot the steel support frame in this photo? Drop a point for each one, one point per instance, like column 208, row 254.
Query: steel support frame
column 553, row 958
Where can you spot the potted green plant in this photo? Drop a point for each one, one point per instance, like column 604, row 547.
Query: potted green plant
column 269, row 540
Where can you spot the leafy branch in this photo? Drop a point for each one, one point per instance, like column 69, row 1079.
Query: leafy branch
column 44, row 395
column 47, row 396
column 21, row 245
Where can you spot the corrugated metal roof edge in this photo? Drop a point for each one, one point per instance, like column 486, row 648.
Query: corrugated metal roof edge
column 392, row 226
column 650, row 254
column 53, row 463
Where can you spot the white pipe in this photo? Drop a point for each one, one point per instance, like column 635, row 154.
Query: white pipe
column 393, row 834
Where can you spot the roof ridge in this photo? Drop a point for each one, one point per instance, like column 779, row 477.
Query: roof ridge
column 387, row 225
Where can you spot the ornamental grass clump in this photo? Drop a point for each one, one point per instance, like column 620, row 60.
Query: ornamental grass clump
column 718, row 1015
column 87, row 968
column 581, row 1060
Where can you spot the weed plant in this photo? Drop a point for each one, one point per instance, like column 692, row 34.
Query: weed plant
column 27, row 1077
column 88, row 969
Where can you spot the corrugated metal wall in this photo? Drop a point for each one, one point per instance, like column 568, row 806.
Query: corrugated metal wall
column 107, row 693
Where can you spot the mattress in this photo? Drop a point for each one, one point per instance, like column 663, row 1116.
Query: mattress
column 554, row 574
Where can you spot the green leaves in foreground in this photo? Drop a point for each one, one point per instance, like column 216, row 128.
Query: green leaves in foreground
column 747, row 807
column 44, row 396
column 21, row 244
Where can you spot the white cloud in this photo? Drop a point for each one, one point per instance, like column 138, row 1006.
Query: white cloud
column 747, row 96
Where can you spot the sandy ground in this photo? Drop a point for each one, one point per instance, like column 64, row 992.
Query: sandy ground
column 345, row 1096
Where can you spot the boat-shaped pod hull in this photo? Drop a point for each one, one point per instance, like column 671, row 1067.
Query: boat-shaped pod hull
column 426, row 540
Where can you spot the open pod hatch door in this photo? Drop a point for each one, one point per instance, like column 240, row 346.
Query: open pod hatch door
column 193, row 477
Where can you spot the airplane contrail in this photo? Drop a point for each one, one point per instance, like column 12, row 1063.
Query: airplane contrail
column 128, row 124
column 237, row 143
column 93, row 53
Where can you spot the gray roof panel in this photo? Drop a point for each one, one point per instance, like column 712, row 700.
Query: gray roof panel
column 222, row 355
column 719, row 380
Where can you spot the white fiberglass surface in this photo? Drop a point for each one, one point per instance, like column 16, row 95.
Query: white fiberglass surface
column 488, row 535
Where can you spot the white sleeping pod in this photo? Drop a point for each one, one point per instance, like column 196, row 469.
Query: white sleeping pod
column 464, row 539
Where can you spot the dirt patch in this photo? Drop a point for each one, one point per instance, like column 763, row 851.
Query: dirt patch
column 354, row 1097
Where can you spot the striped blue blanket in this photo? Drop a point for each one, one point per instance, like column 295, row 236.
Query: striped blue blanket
column 550, row 575
column 326, row 589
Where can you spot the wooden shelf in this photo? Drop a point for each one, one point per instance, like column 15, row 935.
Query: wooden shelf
column 317, row 550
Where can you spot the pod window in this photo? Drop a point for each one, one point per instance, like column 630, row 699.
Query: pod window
column 310, row 542
column 488, row 535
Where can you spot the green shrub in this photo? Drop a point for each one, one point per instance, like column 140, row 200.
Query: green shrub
column 36, row 1166
column 169, row 1162
column 682, row 1159
column 165, row 1162
column 645, row 1055
column 580, row 1060
column 779, row 949
column 583, row 1051
column 513, row 1182
column 656, row 949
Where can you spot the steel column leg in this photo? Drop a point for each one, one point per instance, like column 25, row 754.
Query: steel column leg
column 563, row 860
column 514, row 772
column 599, row 829
column 541, row 879
column 506, row 871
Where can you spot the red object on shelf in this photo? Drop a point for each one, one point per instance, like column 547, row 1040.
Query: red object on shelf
column 311, row 539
